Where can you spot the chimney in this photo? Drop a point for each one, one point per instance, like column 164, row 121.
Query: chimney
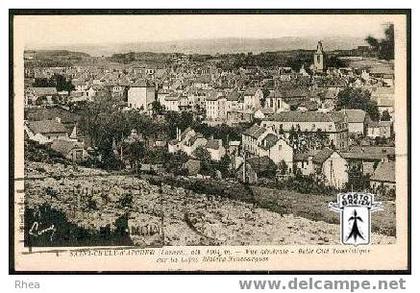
column 178, row 134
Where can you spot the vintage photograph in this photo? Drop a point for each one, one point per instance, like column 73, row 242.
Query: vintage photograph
column 154, row 131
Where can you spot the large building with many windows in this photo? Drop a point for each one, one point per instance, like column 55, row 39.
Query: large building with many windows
column 332, row 125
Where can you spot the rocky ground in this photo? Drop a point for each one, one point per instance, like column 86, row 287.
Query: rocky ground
column 167, row 215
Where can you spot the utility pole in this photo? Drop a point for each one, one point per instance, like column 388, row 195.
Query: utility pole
column 121, row 151
column 244, row 166
column 162, row 219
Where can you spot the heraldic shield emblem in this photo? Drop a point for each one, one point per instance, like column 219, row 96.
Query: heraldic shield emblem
column 355, row 210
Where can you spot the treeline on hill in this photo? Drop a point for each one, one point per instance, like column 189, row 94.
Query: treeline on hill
column 294, row 59
column 129, row 57
column 54, row 58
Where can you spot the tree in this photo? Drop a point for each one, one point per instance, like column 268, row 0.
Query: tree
column 384, row 48
column 176, row 120
column 205, row 158
column 357, row 181
column 224, row 165
column 56, row 80
column 357, row 98
column 62, row 84
column 283, row 167
column 386, row 116
column 174, row 162
column 134, row 152
column 157, row 108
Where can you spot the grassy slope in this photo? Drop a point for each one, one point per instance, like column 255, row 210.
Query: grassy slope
column 315, row 207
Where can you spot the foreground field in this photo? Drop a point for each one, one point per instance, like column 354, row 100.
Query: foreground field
column 98, row 203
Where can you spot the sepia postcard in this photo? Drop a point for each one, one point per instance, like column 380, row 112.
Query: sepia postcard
column 208, row 141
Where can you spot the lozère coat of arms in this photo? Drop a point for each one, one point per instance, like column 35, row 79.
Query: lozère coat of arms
column 355, row 210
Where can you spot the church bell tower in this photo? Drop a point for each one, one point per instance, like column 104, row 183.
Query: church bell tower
column 319, row 59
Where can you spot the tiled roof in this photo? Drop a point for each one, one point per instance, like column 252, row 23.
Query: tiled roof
column 322, row 155
column 213, row 95
column 310, row 105
column 64, row 146
column 255, row 131
column 296, row 92
column 233, row 96
column 184, row 133
column 304, row 156
column 43, row 91
column 384, row 150
column 380, row 124
column 261, row 164
column 142, row 83
column 250, row 91
column 385, row 172
column 296, row 116
column 269, row 141
column 47, row 126
column 51, row 113
column 383, row 91
column 354, row 115
column 171, row 98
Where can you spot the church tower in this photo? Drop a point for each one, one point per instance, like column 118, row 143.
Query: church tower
column 319, row 59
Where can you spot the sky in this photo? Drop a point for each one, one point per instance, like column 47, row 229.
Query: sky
column 62, row 30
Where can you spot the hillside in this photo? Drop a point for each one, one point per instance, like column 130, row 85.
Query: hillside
column 97, row 205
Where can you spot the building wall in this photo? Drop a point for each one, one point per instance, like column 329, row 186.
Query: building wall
column 319, row 62
column 306, row 167
column 357, row 127
column 172, row 105
column 376, row 184
column 379, row 131
column 277, row 104
column 189, row 150
column 141, row 97
column 216, row 155
column 336, row 132
column 253, row 102
column 335, row 171
column 77, row 155
column 211, row 110
column 281, row 151
column 222, row 113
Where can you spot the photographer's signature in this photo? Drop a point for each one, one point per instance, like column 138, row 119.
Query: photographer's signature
column 35, row 231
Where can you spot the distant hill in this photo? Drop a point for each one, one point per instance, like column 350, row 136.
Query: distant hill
column 45, row 54
column 214, row 46
column 48, row 58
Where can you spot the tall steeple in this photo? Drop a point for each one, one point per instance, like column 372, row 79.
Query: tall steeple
column 319, row 58
column 319, row 48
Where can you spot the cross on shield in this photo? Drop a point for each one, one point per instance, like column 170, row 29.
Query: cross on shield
column 355, row 216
